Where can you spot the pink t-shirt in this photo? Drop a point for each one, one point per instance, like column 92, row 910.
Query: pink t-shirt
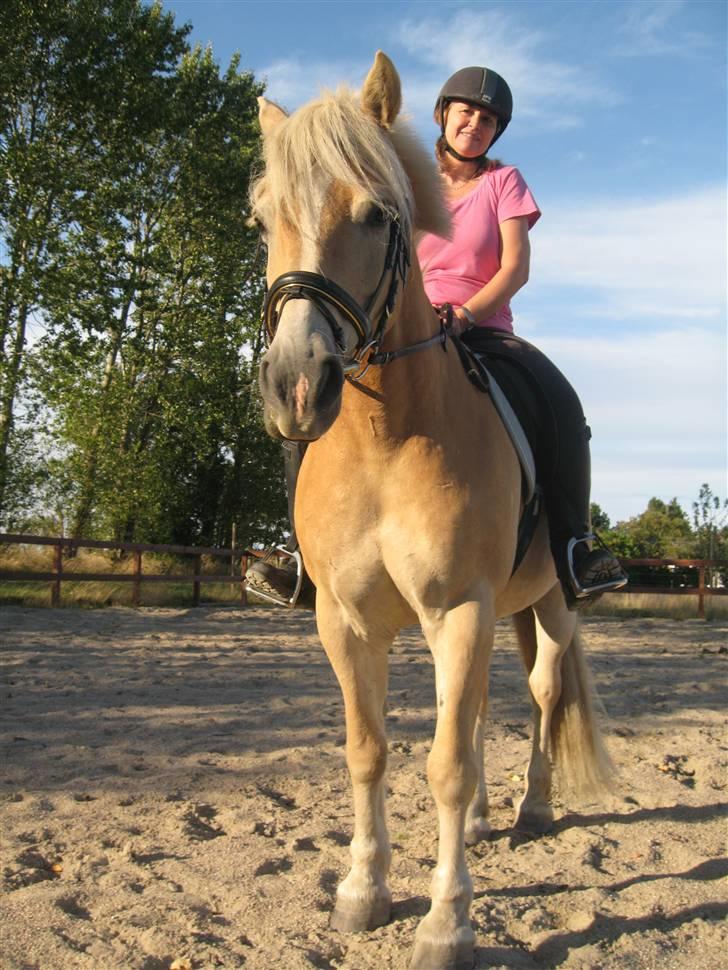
column 454, row 269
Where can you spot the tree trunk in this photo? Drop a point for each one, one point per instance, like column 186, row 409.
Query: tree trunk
column 11, row 382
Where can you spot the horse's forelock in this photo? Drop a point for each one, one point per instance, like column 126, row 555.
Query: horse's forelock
column 332, row 139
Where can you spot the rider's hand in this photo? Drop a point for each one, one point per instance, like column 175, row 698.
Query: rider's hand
column 461, row 319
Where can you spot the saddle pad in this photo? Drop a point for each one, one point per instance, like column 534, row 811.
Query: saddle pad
column 482, row 377
column 516, row 434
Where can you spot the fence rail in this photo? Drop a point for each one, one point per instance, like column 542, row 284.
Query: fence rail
column 137, row 577
column 701, row 590
column 60, row 575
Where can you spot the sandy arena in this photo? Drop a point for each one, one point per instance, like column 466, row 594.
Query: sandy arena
column 174, row 794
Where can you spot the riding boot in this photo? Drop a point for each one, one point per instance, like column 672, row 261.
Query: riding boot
column 584, row 565
column 275, row 583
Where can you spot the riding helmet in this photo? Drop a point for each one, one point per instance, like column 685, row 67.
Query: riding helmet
column 479, row 86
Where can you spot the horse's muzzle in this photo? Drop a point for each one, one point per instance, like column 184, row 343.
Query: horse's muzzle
column 301, row 397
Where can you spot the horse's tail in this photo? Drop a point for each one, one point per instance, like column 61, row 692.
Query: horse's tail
column 579, row 753
column 577, row 748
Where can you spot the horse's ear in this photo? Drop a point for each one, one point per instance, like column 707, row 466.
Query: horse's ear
column 269, row 115
column 381, row 96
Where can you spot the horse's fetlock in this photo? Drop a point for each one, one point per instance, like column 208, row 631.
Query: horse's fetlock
column 453, row 889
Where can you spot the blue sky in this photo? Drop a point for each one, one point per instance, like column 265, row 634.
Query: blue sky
column 620, row 130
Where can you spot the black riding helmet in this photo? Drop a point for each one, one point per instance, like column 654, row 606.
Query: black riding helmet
column 481, row 87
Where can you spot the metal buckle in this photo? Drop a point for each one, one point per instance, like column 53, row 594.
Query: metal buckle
column 581, row 592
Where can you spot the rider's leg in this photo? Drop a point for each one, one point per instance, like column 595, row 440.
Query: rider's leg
column 584, row 566
column 280, row 582
column 564, row 467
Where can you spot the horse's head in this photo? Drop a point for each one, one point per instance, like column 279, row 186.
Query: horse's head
column 337, row 206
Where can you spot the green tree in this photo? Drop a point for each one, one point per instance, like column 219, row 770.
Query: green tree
column 599, row 518
column 710, row 525
column 149, row 286
column 662, row 531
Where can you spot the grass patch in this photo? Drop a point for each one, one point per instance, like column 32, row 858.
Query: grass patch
column 628, row 605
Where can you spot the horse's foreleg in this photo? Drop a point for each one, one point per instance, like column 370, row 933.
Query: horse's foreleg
column 461, row 641
column 363, row 900
column 477, row 826
column 549, row 629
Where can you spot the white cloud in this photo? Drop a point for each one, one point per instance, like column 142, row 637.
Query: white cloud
column 655, row 259
column 293, row 81
column 649, row 29
column 656, row 403
column 543, row 87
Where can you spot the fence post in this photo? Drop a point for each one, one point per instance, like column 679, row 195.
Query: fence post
column 136, row 594
column 243, row 570
column 58, row 570
column 701, row 591
column 196, row 581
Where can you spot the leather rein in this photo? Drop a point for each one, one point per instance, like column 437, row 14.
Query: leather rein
column 328, row 297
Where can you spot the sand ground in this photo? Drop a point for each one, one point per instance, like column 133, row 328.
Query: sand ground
column 174, row 794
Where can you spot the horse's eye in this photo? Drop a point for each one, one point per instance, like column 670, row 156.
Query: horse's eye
column 376, row 217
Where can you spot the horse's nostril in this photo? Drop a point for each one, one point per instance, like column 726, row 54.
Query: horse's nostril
column 330, row 384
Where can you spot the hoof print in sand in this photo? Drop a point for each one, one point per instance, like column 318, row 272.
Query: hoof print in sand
column 273, row 867
column 199, row 823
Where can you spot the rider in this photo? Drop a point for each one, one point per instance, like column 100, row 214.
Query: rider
column 477, row 271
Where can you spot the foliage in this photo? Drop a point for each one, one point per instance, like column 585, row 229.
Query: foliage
column 662, row 531
column 710, row 525
column 126, row 256
column 599, row 518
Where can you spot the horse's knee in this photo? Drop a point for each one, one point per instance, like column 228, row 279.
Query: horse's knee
column 452, row 775
column 366, row 757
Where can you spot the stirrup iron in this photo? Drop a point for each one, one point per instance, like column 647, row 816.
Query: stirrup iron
column 582, row 592
column 272, row 596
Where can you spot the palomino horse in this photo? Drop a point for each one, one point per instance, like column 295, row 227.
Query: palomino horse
column 409, row 496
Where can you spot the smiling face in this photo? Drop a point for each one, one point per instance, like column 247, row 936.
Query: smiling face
column 469, row 129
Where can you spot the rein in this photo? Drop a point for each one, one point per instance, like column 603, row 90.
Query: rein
column 328, row 296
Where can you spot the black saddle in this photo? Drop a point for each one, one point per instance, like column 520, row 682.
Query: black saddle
column 526, row 415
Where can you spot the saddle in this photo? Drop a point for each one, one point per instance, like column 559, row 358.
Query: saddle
column 519, row 402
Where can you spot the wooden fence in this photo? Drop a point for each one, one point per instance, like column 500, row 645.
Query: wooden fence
column 67, row 545
column 63, row 544
column 701, row 590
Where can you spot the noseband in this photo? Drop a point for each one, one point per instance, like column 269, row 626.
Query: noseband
column 328, row 296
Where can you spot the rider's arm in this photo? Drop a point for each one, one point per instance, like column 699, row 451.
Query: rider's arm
column 512, row 275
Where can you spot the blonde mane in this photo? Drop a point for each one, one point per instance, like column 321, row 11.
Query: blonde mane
column 332, row 137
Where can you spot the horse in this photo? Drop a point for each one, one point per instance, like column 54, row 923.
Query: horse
column 409, row 496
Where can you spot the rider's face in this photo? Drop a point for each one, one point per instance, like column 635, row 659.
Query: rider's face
column 469, row 129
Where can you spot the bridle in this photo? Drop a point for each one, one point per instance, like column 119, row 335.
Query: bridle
column 328, row 296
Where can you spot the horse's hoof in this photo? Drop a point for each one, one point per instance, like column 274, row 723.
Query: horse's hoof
column 477, row 830
column 538, row 821
column 359, row 919
column 443, row 956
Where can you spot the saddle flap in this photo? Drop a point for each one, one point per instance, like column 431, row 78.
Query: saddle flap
column 516, row 434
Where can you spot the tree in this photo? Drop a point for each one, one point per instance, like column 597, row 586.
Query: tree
column 599, row 518
column 710, row 524
column 149, row 286
column 662, row 531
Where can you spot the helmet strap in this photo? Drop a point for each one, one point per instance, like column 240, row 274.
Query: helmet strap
column 464, row 158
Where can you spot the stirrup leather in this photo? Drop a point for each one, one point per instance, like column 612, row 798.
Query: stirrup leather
column 272, row 596
column 582, row 592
